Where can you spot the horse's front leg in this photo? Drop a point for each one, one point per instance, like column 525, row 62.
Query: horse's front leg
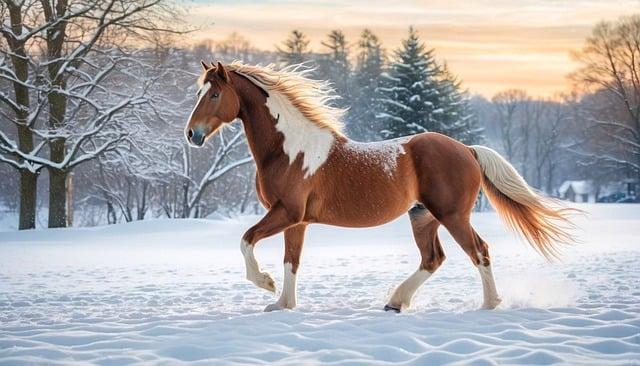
column 276, row 220
column 293, row 241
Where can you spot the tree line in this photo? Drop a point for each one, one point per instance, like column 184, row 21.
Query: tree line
column 590, row 133
column 388, row 96
column 94, row 97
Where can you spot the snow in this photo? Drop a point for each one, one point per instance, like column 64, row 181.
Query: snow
column 174, row 292
column 384, row 153
column 578, row 186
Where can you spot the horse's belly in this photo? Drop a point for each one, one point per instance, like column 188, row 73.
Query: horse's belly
column 353, row 206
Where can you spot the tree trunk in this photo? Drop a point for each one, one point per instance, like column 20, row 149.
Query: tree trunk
column 70, row 199
column 247, row 195
column 142, row 203
column 539, row 177
column 57, row 198
column 28, row 179
column 28, row 189
column 550, row 170
column 55, row 37
column 186, row 209
column 111, row 213
column 57, row 186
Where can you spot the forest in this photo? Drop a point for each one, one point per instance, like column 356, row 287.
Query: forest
column 94, row 98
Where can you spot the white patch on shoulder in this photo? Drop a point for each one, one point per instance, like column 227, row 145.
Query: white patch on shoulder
column 300, row 134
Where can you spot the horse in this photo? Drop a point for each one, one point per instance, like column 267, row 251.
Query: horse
column 309, row 172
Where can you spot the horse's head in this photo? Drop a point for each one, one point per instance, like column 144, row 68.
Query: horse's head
column 218, row 103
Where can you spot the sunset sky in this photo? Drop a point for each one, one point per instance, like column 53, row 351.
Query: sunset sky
column 491, row 45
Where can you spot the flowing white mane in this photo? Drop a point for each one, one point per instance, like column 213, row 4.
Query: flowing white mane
column 311, row 97
column 302, row 110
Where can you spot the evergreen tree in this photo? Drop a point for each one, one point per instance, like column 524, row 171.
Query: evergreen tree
column 409, row 96
column 361, row 123
column 473, row 133
column 335, row 67
column 295, row 49
column 457, row 119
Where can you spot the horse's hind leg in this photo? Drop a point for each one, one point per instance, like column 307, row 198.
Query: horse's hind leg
column 478, row 250
column 425, row 232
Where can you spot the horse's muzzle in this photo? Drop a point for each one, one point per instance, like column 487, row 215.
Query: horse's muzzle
column 196, row 137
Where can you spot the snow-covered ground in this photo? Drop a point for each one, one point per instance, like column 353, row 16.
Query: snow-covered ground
column 174, row 292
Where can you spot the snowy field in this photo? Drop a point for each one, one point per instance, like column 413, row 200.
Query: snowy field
column 172, row 292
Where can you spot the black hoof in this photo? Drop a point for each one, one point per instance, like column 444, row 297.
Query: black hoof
column 391, row 308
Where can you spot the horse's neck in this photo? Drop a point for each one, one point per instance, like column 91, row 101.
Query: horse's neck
column 278, row 133
column 264, row 140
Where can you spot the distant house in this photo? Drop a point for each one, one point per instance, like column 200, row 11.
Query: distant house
column 578, row 191
column 623, row 191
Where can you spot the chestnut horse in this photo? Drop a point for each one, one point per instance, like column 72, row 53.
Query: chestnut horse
column 309, row 172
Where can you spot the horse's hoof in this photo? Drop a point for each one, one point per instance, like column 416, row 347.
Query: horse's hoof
column 491, row 305
column 265, row 281
column 391, row 308
column 273, row 307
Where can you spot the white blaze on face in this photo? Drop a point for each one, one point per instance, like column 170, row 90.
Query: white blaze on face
column 300, row 134
column 201, row 93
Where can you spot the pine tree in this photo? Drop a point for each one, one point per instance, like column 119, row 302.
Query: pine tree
column 335, row 67
column 295, row 49
column 410, row 94
column 361, row 123
column 473, row 133
column 457, row 119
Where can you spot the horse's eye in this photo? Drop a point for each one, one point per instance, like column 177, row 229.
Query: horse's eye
column 214, row 95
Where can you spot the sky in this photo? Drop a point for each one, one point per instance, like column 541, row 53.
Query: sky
column 491, row 45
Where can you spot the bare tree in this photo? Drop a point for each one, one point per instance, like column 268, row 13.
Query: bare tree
column 16, row 37
column 531, row 126
column 193, row 189
column 610, row 68
column 506, row 105
column 64, row 55
column 235, row 47
column 547, row 141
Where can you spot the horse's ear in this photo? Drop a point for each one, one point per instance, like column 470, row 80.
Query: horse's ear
column 222, row 72
column 204, row 65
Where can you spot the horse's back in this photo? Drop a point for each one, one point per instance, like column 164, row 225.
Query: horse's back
column 367, row 184
column 436, row 144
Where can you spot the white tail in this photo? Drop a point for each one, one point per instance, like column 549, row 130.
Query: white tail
column 543, row 221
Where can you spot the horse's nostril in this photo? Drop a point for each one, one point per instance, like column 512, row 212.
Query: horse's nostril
column 190, row 133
